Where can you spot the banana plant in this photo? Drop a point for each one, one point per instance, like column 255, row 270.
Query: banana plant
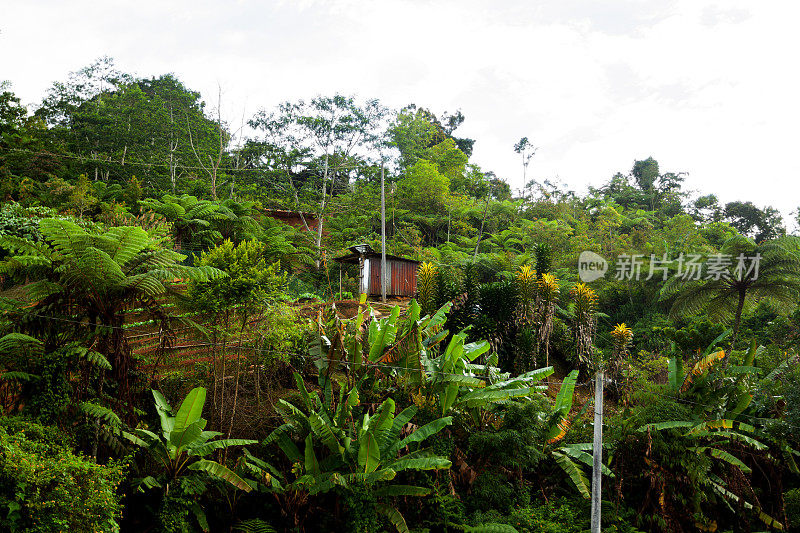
column 408, row 349
column 334, row 446
column 721, row 399
column 569, row 456
column 461, row 384
column 717, row 439
column 681, row 381
column 182, row 448
column 367, row 342
column 732, row 391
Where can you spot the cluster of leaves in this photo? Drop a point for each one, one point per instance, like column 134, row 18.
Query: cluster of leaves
column 45, row 487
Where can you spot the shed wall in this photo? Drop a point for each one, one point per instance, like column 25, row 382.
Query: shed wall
column 402, row 280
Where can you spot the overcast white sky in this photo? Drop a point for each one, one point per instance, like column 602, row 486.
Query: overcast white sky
column 706, row 87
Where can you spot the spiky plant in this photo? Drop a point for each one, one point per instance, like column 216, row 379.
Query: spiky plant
column 622, row 336
column 526, row 280
column 339, row 446
column 584, row 299
column 426, row 287
column 725, row 298
column 547, row 290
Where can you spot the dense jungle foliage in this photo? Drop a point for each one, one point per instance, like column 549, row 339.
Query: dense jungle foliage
column 174, row 358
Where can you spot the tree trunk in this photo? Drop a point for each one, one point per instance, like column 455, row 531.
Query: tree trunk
column 480, row 234
column 449, row 215
column 736, row 322
column 320, row 219
column 236, row 385
column 172, row 145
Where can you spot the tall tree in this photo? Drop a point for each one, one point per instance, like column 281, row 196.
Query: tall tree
column 760, row 224
column 179, row 123
column 416, row 130
column 21, row 140
column 336, row 131
column 526, row 150
column 93, row 279
column 155, row 129
column 64, row 98
column 707, row 209
column 745, row 274
column 645, row 172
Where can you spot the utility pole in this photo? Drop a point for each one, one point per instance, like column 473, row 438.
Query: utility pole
column 597, row 452
column 383, row 238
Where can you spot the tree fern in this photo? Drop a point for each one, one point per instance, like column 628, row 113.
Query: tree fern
column 20, row 344
column 99, row 412
column 95, row 358
column 127, row 242
column 94, row 277
column 725, row 299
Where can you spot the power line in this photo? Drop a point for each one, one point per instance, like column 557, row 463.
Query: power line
column 307, row 357
column 280, row 352
column 381, row 365
column 86, row 159
column 351, row 363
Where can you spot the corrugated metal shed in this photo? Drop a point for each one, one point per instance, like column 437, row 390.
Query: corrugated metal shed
column 401, row 272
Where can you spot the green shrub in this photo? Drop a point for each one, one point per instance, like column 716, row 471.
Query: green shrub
column 252, row 283
column 492, row 491
column 561, row 516
column 791, row 499
column 653, row 407
column 557, row 516
column 360, row 514
column 49, row 435
column 45, row 487
column 281, row 332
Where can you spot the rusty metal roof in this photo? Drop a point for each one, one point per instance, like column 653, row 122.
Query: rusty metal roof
column 366, row 250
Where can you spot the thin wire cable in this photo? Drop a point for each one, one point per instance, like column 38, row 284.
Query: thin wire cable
column 86, row 159
column 684, row 400
column 383, row 366
column 307, row 357
column 273, row 352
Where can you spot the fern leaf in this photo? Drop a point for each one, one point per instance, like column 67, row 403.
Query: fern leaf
column 18, row 376
column 101, row 413
column 66, row 236
column 128, row 242
column 254, row 526
column 20, row 344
